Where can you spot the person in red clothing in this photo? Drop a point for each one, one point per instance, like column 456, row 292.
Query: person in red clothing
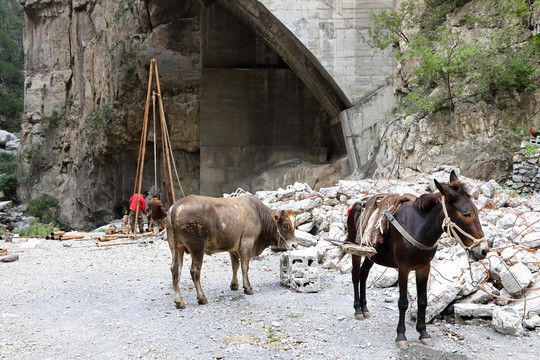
column 133, row 210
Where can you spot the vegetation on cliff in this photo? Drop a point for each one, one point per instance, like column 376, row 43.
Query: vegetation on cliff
column 11, row 65
column 487, row 49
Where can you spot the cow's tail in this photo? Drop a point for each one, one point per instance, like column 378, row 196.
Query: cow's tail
column 174, row 248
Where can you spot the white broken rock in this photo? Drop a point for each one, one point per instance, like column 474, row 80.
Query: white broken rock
column 514, row 278
column 382, row 277
column 305, row 239
column 506, row 320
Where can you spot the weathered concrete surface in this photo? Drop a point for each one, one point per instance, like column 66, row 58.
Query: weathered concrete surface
column 329, row 29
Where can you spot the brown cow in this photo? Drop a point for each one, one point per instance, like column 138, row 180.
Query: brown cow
column 242, row 225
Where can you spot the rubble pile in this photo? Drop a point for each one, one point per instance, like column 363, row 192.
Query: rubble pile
column 504, row 288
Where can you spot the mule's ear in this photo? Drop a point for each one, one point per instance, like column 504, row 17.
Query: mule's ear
column 453, row 176
column 276, row 217
column 440, row 187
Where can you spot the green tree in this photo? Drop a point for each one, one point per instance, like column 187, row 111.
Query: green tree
column 11, row 64
column 447, row 67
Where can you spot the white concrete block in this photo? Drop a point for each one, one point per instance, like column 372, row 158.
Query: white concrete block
column 299, row 270
column 474, row 311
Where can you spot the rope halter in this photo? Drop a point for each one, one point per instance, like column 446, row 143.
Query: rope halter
column 451, row 228
column 281, row 238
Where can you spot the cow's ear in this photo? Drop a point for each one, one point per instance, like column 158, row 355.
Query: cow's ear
column 276, row 217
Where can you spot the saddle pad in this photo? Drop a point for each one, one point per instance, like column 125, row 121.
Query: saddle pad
column 373, row 225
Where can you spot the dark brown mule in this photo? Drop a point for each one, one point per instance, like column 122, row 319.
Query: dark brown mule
column 423, row 220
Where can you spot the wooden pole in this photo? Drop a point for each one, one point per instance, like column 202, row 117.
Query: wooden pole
column 143, row 142
column 162, row 115
column 174, row 164
column 146, row 116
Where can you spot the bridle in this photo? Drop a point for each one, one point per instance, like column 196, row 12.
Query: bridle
column 451, row 228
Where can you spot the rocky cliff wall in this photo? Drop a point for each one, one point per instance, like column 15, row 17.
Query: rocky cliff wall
column 86, row 77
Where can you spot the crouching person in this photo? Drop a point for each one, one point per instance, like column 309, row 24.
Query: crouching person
column 158, row 214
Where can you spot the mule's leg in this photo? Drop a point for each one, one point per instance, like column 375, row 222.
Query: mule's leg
column 244, row 257
column 196, row 265
column 422, row 277
column 364, row 272
column 235, row 262
column 355, row 272
column 403, row 303
column 176, row 271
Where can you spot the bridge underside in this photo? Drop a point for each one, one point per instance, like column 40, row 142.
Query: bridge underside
column 264, row 100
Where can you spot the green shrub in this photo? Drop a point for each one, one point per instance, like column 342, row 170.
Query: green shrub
column 104, row 118
column 45, row 208
column 8, row 178
column 8, row 185
column 8, row 163
column 530, row 150
column 37, row 229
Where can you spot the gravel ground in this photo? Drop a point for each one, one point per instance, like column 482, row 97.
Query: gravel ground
column 116, row 302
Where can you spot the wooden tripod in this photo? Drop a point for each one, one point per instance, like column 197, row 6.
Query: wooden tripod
column 166, row 146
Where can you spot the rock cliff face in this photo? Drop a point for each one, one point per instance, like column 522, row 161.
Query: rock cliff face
column 86, row 77
column 479, row 137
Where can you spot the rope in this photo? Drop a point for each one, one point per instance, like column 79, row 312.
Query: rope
column 172, row 156
column 451, row 228
column 155, row 140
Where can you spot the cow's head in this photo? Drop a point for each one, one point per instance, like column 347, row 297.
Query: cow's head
column 286, row 224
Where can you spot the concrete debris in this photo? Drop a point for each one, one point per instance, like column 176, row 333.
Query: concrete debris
column 506, row 320
column 382, row 277
column 305, row 239
column 476, row 289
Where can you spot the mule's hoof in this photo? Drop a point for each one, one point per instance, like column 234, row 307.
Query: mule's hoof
column 203, row 301
column 402, row 344
column 359, row 316
column 180, row 305
column 234, row 287
column 248, row 291
column 366, row 315
column 427, row 341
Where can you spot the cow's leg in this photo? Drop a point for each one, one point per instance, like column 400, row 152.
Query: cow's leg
column 361, row 310
column 176, row 271
column 235, row 262
column 176, row 265
column 196, row 265
column 422, row 276
column 245, row 267
column 403, row 303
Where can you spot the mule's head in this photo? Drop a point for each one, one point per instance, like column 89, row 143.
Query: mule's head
column 285, row 221
column 463, row 223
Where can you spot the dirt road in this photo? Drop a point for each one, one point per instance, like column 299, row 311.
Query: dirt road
column 116, row 302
